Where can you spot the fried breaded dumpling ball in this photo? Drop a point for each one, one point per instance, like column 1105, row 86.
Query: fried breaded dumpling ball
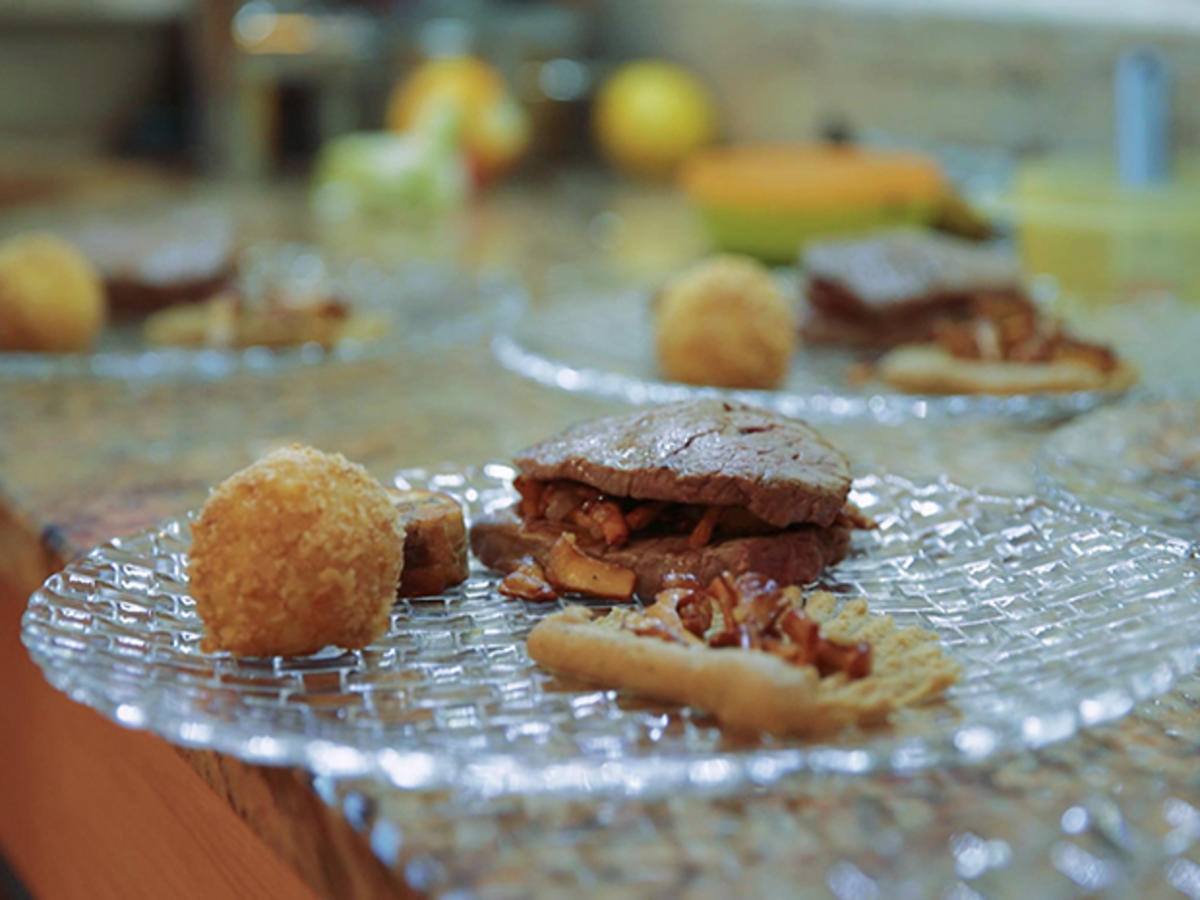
column 300, row 550
column 51, row 297
column 724, row 322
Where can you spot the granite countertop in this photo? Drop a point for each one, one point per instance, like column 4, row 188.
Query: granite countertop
column 1114, row 810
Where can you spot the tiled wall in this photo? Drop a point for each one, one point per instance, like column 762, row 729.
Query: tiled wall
column 74, row 86
column 782, row 67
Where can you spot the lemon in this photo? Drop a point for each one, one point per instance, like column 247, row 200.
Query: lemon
column 650, row 115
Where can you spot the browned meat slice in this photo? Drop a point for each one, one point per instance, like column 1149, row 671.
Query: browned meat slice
column 831, row 300
column 869, row 333
column 435, row 541
column 795, row 556
column 908, row 269
column 152, row 261
column 707, row 451
column 895, row 288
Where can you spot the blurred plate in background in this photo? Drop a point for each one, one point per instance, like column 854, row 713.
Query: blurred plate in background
column 597, row 338
column 412, row 303
column 1141, row 462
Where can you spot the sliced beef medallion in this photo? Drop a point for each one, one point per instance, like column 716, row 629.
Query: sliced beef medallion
column 795, row 556
column 702, row 486
column 894, row 288
column 706, row 451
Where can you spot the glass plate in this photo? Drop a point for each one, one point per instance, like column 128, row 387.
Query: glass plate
column 1141, row 462
column 419, row 303
column 600, row 342
column 1060, row 618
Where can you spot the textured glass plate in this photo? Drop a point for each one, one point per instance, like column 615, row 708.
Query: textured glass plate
column 1141, row 462
column 418, row 302
column 600, row 342
column 1060, row 618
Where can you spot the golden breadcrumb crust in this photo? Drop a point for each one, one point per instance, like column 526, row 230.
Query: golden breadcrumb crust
column 51, row 297
column 300, row 550
column 725, row 322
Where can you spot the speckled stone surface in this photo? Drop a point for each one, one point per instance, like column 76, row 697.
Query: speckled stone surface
column 1114, row 811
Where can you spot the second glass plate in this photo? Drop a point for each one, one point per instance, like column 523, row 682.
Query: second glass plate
column 600, row 341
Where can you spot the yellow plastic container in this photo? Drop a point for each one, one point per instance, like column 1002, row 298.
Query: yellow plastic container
column 1102, row 241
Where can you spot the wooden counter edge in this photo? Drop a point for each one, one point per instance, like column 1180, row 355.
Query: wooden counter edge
column 279, row 805
column 282, row 808
column 26, row 559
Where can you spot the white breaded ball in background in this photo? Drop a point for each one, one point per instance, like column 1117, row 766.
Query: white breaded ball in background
column 724, row 322
column 51, row 297
column 299, row 550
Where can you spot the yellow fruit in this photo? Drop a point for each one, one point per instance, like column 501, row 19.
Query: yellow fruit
column 649, row 116
column 50, row 296
column 494, row 126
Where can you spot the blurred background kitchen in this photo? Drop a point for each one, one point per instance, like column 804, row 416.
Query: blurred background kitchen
column 238, row 193
column 429, row 117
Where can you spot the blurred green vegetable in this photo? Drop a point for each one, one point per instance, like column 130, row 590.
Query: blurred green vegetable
column 418, row 174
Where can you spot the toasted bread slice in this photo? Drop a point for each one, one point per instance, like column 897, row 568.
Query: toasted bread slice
column 930, row 369
column 751, row 689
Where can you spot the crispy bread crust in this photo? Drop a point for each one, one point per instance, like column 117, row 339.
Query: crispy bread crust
column 297, row 551
column 749, row 689
column 930, row 369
